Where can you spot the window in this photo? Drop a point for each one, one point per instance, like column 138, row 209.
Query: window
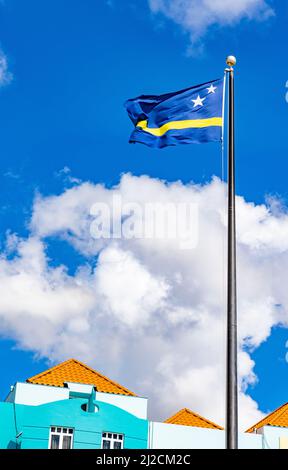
column 60, row 438
column 111, row 440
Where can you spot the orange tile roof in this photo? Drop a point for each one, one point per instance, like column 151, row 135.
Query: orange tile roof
column 75, row 371
column 279, row 417
column 186, row 417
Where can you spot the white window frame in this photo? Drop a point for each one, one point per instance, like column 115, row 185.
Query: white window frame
column 112, row 439
column 54, row 432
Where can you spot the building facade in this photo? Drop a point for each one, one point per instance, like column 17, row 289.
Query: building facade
column 72, row 406
column 57, row 409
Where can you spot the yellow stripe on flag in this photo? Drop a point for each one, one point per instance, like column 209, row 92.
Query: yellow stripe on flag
column 187, row 124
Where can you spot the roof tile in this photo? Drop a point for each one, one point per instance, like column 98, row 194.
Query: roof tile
column 75, row 371
column 279, row 417
column 186, row 417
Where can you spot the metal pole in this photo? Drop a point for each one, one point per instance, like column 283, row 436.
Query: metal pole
column 232, row 385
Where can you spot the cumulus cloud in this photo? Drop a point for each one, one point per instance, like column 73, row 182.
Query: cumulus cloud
column 196, row 16
column 142, row 310
column 5, row 75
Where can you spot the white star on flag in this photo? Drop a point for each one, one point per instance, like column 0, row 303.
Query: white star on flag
column 211, row 88
column 198, row 101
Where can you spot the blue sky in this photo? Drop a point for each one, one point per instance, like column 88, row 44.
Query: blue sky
column 74, row 64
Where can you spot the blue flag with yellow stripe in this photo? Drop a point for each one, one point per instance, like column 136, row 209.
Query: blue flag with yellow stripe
column 193, row 115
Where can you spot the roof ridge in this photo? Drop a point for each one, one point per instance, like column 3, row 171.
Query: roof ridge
column 85, row 366
column 104, row 377
column 203, row 418
column 278, row 409
column 257, row 425
column 197, row 415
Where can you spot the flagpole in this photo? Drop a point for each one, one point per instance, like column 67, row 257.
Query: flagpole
column 231, row 371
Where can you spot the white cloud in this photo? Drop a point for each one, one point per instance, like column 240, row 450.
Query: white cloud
column 66, row 176
column 5, row 75
column 132, row 307
column 196, row 16
column 143, row 311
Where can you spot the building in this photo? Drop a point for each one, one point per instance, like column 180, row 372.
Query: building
column 188, row 430
column 73, row 406
column 273, row 429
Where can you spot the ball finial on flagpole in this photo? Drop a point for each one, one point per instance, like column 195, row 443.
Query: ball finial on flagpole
column 231, row 60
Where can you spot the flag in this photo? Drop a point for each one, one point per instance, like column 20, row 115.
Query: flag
column 193, row 115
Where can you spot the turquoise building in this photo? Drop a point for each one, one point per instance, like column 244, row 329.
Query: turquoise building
column 72, row 406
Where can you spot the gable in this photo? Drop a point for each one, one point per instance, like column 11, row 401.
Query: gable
column 78, row 372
